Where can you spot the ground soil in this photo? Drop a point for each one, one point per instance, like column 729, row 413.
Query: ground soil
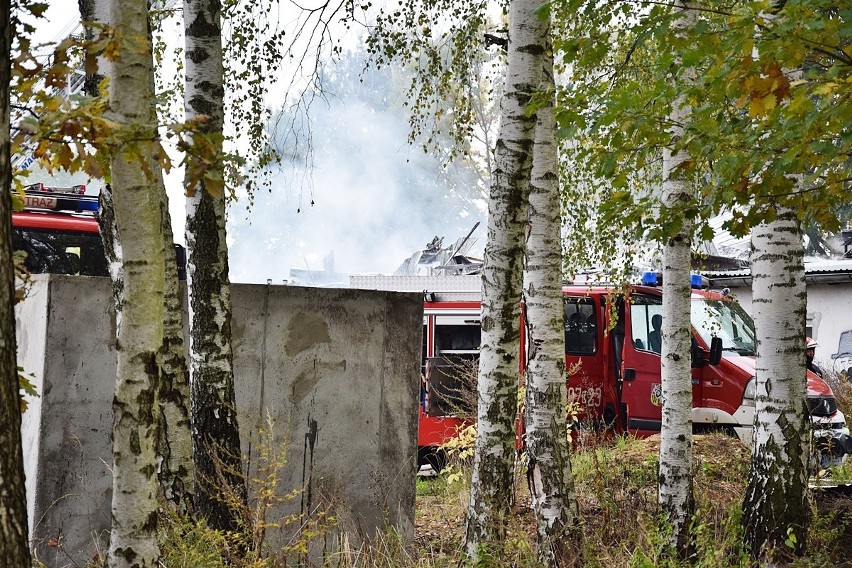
column 721, row 465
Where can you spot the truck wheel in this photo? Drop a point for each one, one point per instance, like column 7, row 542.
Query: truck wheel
column 436, row 458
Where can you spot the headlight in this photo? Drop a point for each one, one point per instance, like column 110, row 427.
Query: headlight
column 748, row 395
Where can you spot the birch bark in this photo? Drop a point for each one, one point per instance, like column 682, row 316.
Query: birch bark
column 174, row 445
column 94, row 13
column 675, row 496
column 14, row 541
column 494, row 453
column 215, row 431
column 551, row 480
column 775, row 506
column 140, row 336
column 776, row 495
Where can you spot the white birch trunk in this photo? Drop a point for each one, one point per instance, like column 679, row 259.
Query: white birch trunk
column 140, row 337
column 94, row 12
column 776, row 495
column 175, row 470
column 215, row 432
column 494, row 454
column 675, row 495
column 174, row 448
column 14, row 542
column 550, row 478
column 174, row 445
column 775, row 505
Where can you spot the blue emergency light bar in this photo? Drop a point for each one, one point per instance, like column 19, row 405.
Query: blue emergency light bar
column 695, row 280
column 60, row 201
column 652, row 278
column 655, row 278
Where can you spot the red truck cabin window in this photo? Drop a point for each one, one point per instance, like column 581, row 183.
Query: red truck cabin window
column 580, row 326
column 61, row 252
column 646, row 320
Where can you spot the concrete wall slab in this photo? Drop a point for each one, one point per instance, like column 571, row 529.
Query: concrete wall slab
column 335, row 373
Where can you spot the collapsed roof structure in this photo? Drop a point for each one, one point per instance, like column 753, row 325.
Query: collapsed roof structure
column 437, row 260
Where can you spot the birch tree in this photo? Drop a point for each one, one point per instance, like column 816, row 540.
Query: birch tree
column 174, row 446
column 14, row 540
column 175, row 469
column 676, row 497
column 140, row 336
column 749, row 133
column 494, row 450
column 493, row 472
column 215, row 431
column 628, row 104
column 776, row 512
column 549, row 468
column 675, row 475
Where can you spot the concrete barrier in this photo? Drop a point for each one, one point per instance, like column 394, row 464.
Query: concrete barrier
column 335, row 372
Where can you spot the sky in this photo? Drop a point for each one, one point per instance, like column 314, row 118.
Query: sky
column 61, row 16
column 369, row 212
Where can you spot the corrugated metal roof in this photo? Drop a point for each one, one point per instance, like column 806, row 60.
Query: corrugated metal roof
column 817, row 271
column 460, row 283
column 812, row 266
column 822, row 265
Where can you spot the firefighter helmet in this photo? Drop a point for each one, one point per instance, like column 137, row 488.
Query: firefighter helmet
column 810, row 343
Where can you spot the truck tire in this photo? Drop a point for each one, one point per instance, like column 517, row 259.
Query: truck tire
column 436, row 458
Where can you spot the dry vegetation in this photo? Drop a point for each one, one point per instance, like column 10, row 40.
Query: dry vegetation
column 616, row 490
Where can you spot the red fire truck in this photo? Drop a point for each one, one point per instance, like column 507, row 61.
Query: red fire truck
column 59, row 231
column 618, row 382
column 451, row 338
column 617, row 385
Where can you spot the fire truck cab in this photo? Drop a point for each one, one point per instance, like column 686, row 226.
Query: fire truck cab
column 618, row 383
column 613, row 340
column 58, row 231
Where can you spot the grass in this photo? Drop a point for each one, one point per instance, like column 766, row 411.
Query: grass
column 616, row 490
column 616, row 485
column 435, row 486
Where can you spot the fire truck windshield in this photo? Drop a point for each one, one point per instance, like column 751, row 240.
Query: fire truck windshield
column 60, row 252
column 725, row 319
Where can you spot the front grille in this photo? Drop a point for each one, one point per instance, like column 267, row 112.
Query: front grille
column 822, row 405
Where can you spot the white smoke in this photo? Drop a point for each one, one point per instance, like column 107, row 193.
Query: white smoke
column 371, row 198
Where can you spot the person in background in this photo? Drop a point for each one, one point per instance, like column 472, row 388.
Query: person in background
column 810, row 351
column 655, row 338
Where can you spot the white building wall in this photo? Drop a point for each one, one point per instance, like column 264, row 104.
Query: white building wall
column 829, row 315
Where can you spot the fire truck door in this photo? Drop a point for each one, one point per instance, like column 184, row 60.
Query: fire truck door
column 641, row 386
column 583, row 355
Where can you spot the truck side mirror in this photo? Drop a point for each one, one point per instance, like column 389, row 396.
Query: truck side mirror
column 697, row 355
column 715, row 350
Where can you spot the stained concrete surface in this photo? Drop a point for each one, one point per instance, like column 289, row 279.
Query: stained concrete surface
column 334, row 374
